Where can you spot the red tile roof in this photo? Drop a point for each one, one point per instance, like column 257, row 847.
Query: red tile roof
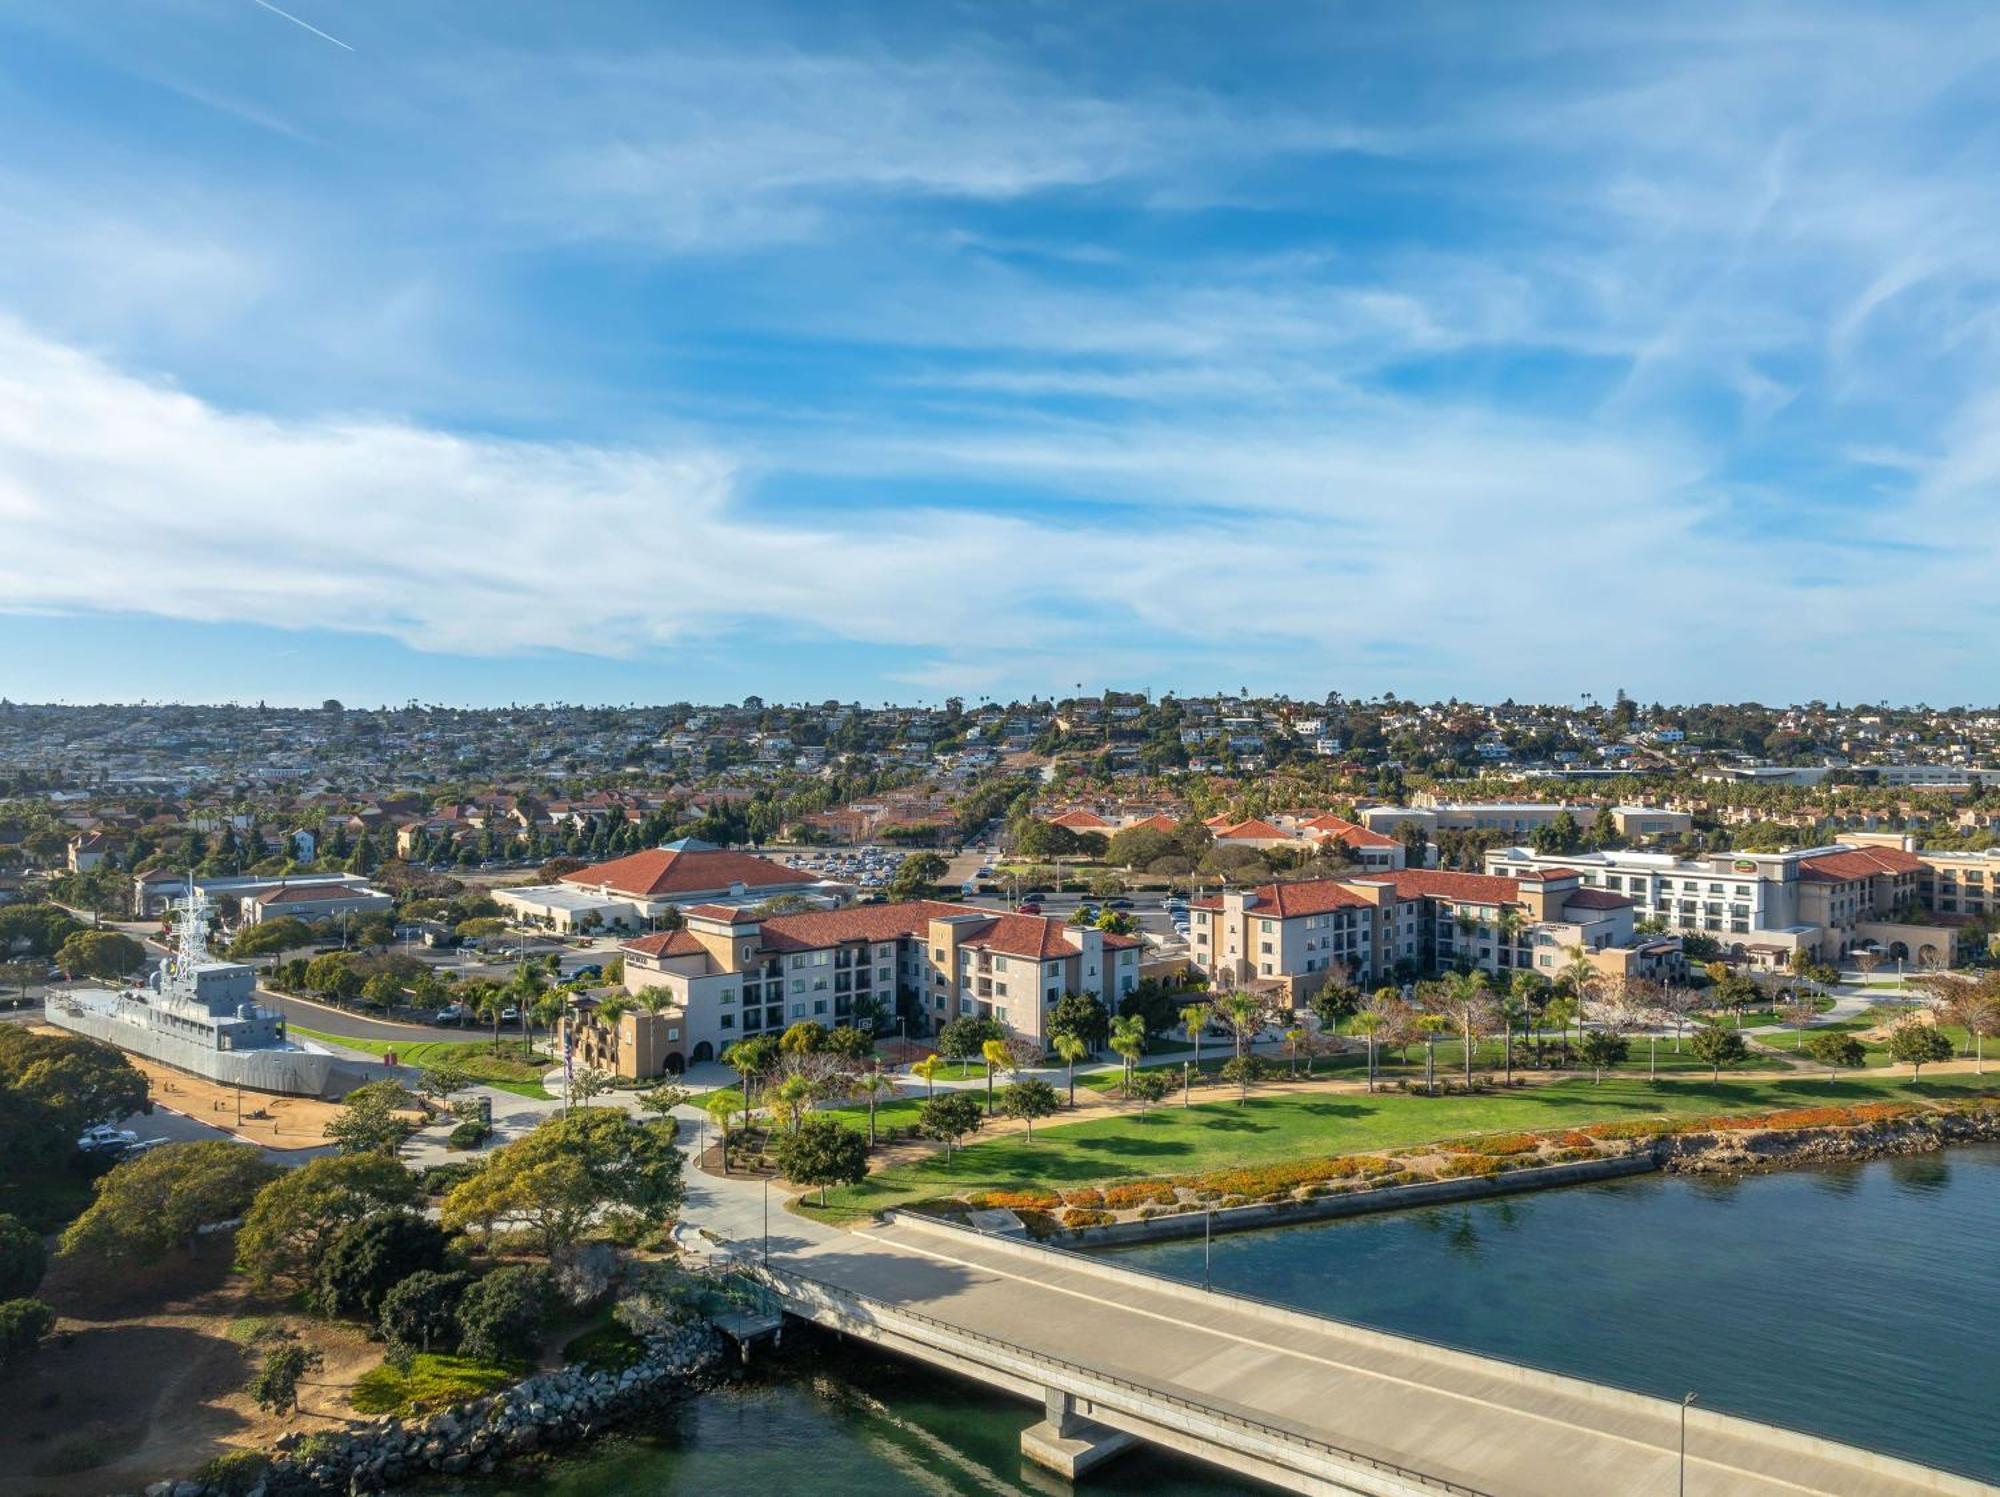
column 1346, row 831
column 664, row 871
column 1859, row 862
column 665, row 943
column 726, row 912
column 1436, row 883
column 1158, row 823
column 812, row 930
column 1253, row 828
column 1081, row 821
column 1290, row 901
column 1595, row 899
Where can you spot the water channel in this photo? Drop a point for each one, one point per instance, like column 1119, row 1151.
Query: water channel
column 1849, row 1301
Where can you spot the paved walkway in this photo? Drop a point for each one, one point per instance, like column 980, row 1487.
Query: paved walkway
column 1480, row 1422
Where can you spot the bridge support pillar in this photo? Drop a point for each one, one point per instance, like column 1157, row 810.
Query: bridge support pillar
column 1067, row 1443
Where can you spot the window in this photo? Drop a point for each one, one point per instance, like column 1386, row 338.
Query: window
column 728, row 1021
column 798, row 984
column 728, row 995
column 798, row 962
column 798, row 1010
column 819, row 1006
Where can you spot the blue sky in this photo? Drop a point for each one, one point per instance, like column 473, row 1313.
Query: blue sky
column 491, row 352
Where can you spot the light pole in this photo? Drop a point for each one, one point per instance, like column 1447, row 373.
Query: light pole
column 1187, row 1082
column 1683, row 1486
column 1207, row 1237
column 767, row 1229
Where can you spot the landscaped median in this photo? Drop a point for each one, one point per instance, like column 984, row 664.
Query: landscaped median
column 1360, row 1142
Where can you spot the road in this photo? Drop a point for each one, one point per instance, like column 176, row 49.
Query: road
column 1221, row 1363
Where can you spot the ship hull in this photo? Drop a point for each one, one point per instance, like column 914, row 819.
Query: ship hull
column 288, row 1073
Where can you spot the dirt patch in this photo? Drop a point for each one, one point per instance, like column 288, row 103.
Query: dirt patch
column 144, row 1379
column 255, row 1117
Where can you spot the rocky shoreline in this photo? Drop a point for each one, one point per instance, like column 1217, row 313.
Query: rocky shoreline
column 540, row 1413
column 1742, row 1153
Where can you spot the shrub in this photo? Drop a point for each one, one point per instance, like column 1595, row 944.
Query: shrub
column 468, row 1135
column 23, row 1260
column 500, row 1316
column 1076, row 1217
column 1463, row 1166
column 421, row 1312
column 1088, row 1196
column 1015, row 1200
column 1139, row 1193
column 234, row 1472
column 23, row 1323
column 367, row 1258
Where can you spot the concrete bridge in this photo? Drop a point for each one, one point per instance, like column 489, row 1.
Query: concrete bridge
column 1304, row 1403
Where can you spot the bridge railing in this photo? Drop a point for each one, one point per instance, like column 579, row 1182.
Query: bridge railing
column 881, row 1310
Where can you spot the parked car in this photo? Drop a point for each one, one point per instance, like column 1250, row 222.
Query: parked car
column 455, row 1013
column 1118, row 904
column 588, row 969
column 105, row 1139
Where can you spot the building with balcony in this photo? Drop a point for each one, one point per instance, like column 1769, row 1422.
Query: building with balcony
column 729, row 974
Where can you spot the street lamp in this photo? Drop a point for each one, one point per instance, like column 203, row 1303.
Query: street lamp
column 767, row 1224
column 1683, row 1486
column 1207, row 1237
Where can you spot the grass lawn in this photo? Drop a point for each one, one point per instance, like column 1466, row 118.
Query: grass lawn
column 507, row 1070
column 1216, row 1132
column 433, row 1382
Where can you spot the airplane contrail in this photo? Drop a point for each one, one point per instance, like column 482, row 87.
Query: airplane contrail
column 297, row 22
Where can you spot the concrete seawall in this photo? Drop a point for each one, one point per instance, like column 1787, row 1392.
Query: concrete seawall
column 1357, row 1203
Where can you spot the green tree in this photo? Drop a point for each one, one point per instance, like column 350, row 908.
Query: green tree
column 296, row 1215
column 100, row 953
column 1718, row 1046
column 1029, row 1100
column 821, row 1152
column 1148, row 1087
column 964, row 1037
column 915, row 875
column 949, row 1119
column 803, row 1038
column 421, row 1311
column 501, row 1315
column 1917, row 1045
column 441, row 1080
column 64, row 1083
column 275, row 1384
column 661, row 1100
column 23, row 1260
column 1081, row 1015
column 1368, row 1024
column 371, row 1119
column 566, row 1172
column 23, row 1324
column 1601, row 1048
column 164, row 1197
column 365, row 1259
column 271, row 938
column 38, row 929
column 1836, row 1051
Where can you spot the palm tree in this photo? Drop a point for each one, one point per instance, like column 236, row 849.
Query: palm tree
column 1194, row 1019
column 1245, row 1013
column 928, row 1069
column 1295, row 1036
column 1508, row 925
column 1430, row 1026
column 994, row 1053
column 1368, row 1024
column 872, row 1083
column 1512, row 1012
column 1469, row 1006
column 491, row 1003
column 1128, row 1039
column 1072, row 1049
column 1560, row 1011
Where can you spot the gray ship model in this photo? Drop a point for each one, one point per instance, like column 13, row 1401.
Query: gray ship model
column 198, row 1013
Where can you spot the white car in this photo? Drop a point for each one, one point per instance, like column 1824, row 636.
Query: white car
column 104, row 1136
